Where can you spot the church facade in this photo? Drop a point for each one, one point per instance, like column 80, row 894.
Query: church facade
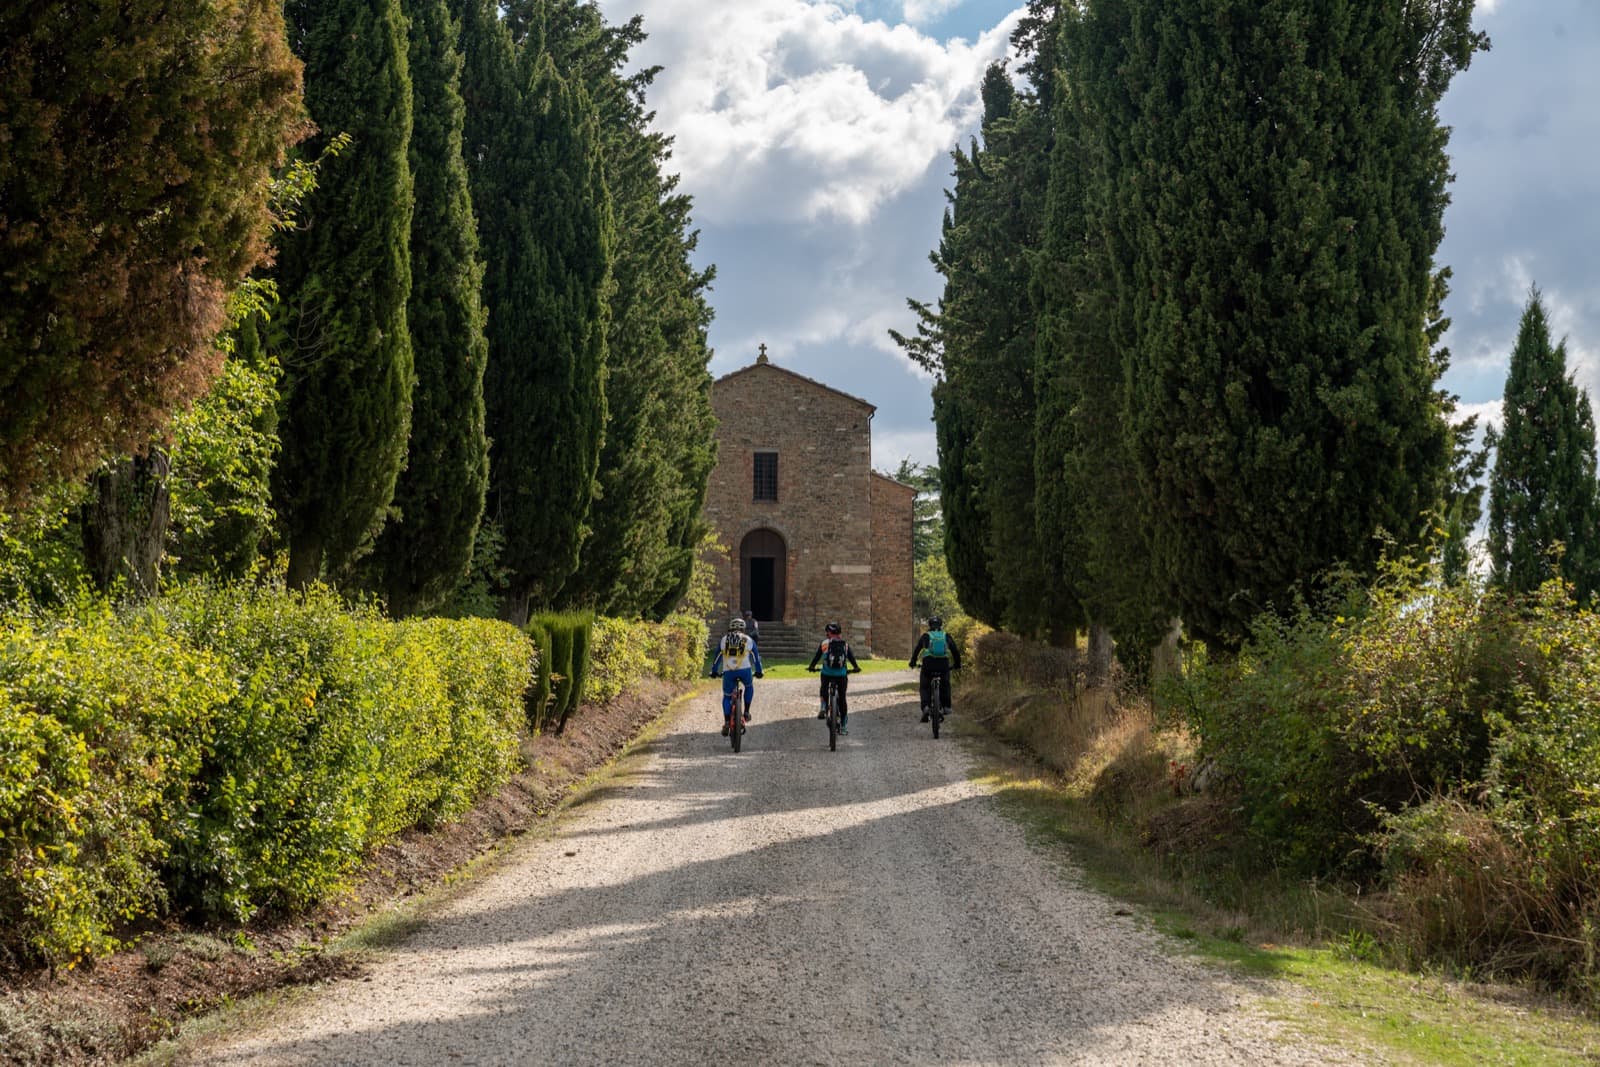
column 809, row 532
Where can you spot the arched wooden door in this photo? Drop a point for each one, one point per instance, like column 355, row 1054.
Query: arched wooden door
column 763, row 559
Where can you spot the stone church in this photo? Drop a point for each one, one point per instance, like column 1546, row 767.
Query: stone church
column 810, row 532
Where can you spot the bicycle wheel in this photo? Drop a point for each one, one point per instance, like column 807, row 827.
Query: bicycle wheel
column 833, row 718
column 935, row 718
column 736, row 720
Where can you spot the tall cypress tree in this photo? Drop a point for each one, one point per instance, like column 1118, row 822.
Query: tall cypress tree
column 1279, row 188
column 1089, row 512
column 344, row 277
column 1542, row 489
column 659, row 440
column 139, row 141
column 545, row 218
column 425, row 550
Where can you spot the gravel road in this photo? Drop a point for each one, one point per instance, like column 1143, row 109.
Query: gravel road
column 783, row 905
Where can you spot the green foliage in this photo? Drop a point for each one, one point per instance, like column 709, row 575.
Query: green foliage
column 344, row 277
column 41, row 552
column 1544, row 505
column 135, row 194
column 538, row 696
column 927, row 518
column 1272, row 231
column 222, row 453
column 102, row 725
column 424, row 551
column 230, row 748
column 559, row 628
column 933, row 591
column 625, row 651
column 534, row 164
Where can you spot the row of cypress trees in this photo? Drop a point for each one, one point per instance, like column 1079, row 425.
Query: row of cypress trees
column 1186, row 347
column 488, row 313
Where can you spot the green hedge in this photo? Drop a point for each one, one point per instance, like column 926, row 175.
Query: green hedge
column 229, row 749
column 624, row 651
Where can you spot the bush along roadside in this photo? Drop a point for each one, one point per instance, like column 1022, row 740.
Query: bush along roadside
column 1410, row 767
column 229, row 749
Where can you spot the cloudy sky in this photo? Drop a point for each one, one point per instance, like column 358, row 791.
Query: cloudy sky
column 815, row 138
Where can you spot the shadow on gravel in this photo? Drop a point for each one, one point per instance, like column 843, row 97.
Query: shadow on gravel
column 905, row 922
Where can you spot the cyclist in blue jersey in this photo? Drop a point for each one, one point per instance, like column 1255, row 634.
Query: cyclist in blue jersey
column 941, row 654
column 737, row 661
column 838, row 663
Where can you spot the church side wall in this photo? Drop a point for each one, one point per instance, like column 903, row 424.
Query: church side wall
column 824, row 505
column 893, row 568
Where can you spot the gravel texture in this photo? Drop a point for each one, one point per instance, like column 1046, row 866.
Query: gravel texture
column 783, row 905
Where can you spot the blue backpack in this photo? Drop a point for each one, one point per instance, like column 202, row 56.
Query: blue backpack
column 938, row 643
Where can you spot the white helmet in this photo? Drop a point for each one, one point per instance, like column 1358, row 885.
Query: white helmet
column 736, row 625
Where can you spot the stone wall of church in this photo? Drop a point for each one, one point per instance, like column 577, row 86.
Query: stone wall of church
column 824, row 509
column 893, row 567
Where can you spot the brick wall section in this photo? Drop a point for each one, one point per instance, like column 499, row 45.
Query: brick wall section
column 894, row 629
column 824, row 508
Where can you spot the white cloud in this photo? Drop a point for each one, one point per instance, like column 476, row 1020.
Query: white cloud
column 920, row 12
column 1488, row 413
column 889, row 448
column 801, row 110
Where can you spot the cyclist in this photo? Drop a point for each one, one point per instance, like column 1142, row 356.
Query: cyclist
column 737, row 660
column 940, row 656
column 838, row 663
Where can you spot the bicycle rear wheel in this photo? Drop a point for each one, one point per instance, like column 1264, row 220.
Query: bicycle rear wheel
column 935, row 718
column 833, row 718
column 736, row 720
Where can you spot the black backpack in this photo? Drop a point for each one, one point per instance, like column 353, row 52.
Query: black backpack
column 835, row 659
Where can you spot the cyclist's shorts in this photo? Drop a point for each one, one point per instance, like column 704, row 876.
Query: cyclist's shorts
column 730, row 677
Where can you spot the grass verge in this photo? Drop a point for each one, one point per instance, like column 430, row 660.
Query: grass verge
column 781, row 669
column 1306, row 935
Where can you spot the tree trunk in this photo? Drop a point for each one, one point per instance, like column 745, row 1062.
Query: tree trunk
column 1101, row 649
column 125, row 523
column 514, row 606
column 1168, row 657
column 305, row 561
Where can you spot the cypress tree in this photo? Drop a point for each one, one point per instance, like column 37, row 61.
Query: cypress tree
column 135, row 195
column 1278, row 187
column 1088, row 494
column 966, row 518
column 545, row 220
column 1542, row 490
column 344, row 277
column 659, row 439
column 424, row 551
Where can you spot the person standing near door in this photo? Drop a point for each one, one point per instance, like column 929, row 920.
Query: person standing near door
column 751, row 626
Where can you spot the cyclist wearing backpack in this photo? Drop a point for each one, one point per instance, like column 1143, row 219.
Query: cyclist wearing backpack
column 940, row 656
column 838, row 663
column 737, row 660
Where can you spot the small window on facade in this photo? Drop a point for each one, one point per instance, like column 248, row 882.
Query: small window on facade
column 766, row 476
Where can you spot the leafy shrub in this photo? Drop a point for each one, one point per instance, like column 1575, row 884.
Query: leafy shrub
column 676, row 647
column 102, row 727
column 965, row 630
column 228, row 749
column 624, row 651
column 621, row 654
column 560, row 669
column 1002, row 655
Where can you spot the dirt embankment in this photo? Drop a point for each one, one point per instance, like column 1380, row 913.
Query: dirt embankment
column 120, row 1005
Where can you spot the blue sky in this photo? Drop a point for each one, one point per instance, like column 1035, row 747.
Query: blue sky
column 815, row 137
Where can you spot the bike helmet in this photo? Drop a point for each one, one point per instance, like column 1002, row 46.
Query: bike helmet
column 833, row 629
column 736, row 625
column 935, row 623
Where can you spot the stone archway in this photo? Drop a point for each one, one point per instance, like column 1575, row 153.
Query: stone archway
column 763, row 566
